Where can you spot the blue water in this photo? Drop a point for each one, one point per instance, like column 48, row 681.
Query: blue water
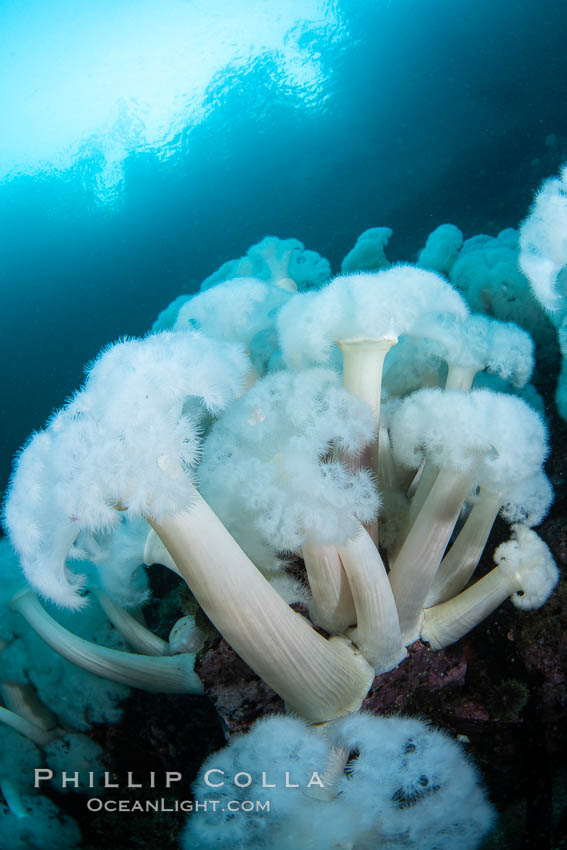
column 424, row 111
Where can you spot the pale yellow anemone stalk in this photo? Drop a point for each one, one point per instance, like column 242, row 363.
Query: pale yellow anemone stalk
column 158, row 674
column 363, row 364
column 525, row 571
column 319, row 679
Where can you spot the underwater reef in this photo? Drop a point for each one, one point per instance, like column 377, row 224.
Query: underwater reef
column 298, row 511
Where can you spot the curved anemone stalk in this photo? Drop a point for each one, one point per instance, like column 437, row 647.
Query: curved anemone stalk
column 23, row 700
column 169, row 674
column 156, row 553
column 138, row 636
column 29, row 717
column 333, row 606
column 13, row 796
column 35, row 733
column 414, row 567
column 320, row 679
column 525, row 571
column 449, row 621
column 377, row 631
column 427, row 475
column 462, row 559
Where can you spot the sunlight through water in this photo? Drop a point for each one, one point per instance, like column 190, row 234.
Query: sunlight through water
column 96, row 81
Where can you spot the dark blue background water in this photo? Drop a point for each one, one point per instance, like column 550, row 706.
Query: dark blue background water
column 436, row 111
